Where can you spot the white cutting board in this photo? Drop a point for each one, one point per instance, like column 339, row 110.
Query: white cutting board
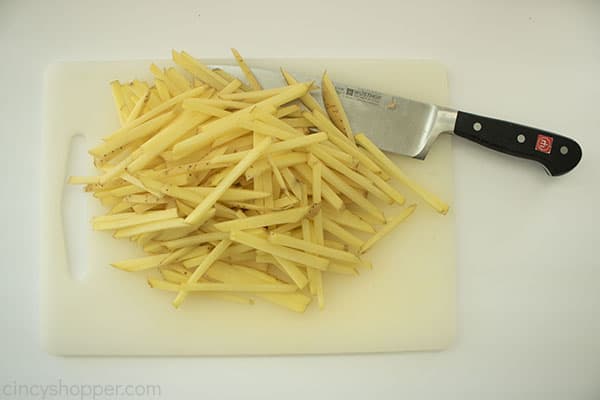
column 406, row 303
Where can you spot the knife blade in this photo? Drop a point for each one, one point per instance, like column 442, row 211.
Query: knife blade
column 408, row 127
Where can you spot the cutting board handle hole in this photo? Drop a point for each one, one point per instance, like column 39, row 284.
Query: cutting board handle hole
column 75, row 213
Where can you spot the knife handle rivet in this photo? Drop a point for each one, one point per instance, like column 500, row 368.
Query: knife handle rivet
column 477, row 126
column 564, row 150
column 521, row 138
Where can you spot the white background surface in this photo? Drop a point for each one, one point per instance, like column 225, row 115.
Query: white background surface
column 529, row 273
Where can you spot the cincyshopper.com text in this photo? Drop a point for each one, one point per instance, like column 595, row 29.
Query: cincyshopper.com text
column 62, row 390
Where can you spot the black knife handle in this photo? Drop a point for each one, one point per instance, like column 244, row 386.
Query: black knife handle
column 557, row 153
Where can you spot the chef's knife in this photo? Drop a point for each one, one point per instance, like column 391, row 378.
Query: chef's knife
column 409, row 127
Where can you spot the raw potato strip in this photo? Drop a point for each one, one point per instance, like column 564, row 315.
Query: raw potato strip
column 285, row 202
column 133, row 219
column 300, row 141
column 151, row 227
column 306, row 234
column 244, row 142
column 382, row 184
column 178, row 79
column 228, row 158
column 278, row 177
column 287, row 111
column 317, row 225
column 231, row 87
column 117, row 93
column 198, row 251
column 208, row 134
column 246, row 70
column 240, row 287
column 279, row 251
column 183, row 209
column 338, row 138
column 160, row 74
column 119, row 207
column 298, row 122
column 171, row 275
column 281, row 161
column 196, row 104
column 142, row 208
column 139, row 132
column 137, row 108
column 128, row 98
column 348, row 219
column 206, row 263
column 136, row 182
column 313, row 248
column 226, row 212
column 162, row 89
column 195, row 240
column 258, row 181
column 393, row 170
column 341, row 233
column 236, row 274
column 154, row 100
column 292, row 270
column 232, row 194
column 334, row 107
column 144, row 199
column 290, row 179
column 166, row 137
column 328, row 193
column 362, row 214
column 253, row 96
column 388, row 227
column 351, row 193
column 276, row 218
column 295, row 301
column 268, row 130
column 340, row 155
column 124, row 131
column 230, row 78
column 139, row 264
column 287, row 227
column 211, row 110
column 359, row 179
column 210, row 200
column 199, row 70
column 176, row 255
column 138, row 88
column 273, row 122
column 307, row 99
column 173, row 286
column 342, row 269
column 119, row 191
column 317, row 169
column 105, row 161
column 285, row 145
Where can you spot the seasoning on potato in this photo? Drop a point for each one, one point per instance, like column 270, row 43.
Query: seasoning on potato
column 238, row 192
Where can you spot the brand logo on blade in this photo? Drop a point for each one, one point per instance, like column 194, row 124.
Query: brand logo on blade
column 363, row 95
column 544, row 144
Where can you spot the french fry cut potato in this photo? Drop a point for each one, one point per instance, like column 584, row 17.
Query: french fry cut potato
column 270, row 219
column 279, row 251
column 388, row 227
column 334, row 108
column 246, row 70
column 394, row 171
column 240, row 192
